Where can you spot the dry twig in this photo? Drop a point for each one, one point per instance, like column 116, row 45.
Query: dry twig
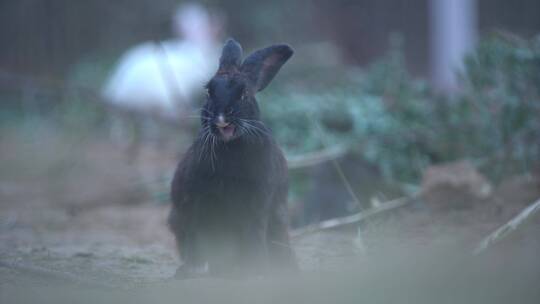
column 508, row 228
column 315, row 158
column 352, row 219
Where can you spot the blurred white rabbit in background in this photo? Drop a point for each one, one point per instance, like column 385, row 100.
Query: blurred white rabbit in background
column 163, row 77
column 160, row 80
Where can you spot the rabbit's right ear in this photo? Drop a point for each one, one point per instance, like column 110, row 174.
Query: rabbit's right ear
column 262, row 65
column 231, row 57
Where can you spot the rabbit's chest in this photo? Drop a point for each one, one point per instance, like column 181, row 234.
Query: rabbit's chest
column 240, row 181
column 228, row 201
column 241, row 166
column 234, row 182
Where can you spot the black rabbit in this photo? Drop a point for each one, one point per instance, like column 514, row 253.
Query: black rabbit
column 229, row 192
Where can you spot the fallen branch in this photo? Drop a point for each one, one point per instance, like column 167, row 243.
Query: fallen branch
column 508, row 228
column 352, row 219
column 315, row 158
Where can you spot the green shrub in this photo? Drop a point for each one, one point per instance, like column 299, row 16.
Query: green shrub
column 501, row 95
column 396, row 123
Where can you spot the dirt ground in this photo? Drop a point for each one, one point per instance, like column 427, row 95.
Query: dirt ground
column 74, row 213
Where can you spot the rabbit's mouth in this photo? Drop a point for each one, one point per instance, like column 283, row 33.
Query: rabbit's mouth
column 226, row 131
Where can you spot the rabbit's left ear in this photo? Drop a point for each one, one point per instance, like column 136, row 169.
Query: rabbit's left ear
column 231, row 56
column 261, row 66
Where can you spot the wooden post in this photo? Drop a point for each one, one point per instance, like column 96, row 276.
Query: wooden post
column 453, row 33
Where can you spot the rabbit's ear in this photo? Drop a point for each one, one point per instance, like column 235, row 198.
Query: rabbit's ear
column 231, row 56
column 261, row 66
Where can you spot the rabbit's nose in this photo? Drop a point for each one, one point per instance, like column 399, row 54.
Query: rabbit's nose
column 220, row 121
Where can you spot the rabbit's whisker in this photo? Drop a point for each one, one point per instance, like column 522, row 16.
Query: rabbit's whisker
column 255, row 126
column 197, row 117
column 248, row 132
column 204, row 142
column 213, row 156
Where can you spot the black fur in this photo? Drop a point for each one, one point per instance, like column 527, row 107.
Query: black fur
column 229, row 192
column 231, row 56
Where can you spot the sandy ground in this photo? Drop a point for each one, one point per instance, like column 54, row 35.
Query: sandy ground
column 85, row 218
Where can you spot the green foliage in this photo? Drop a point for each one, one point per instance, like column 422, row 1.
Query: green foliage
column 501, row 98
column 396, row 123
column 380, row 113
